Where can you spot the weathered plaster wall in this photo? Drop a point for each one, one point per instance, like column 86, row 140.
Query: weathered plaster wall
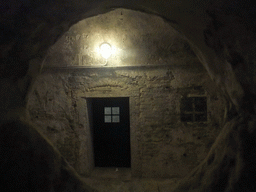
column 161, row 145
column 153, row 66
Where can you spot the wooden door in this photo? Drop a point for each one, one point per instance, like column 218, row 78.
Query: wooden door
column 111, row 132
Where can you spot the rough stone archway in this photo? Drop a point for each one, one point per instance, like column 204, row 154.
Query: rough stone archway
column 222, row 35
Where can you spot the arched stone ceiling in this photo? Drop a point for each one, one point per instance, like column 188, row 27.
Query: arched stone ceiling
column 137, row 39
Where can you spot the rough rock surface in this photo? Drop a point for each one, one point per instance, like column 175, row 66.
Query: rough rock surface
column 29, row 28
column 230, row 164
column 30, row 163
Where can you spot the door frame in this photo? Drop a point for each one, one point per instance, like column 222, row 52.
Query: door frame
column 87, row 164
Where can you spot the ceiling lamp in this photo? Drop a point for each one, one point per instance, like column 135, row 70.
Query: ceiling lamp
column 105, row 50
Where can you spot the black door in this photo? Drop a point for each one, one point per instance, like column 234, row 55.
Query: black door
column 111, row 132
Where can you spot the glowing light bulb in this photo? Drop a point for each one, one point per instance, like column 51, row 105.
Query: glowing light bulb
column 105, row 50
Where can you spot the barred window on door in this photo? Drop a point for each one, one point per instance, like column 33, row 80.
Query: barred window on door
column 111, row 114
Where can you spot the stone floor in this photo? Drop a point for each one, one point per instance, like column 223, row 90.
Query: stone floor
column 120, row 180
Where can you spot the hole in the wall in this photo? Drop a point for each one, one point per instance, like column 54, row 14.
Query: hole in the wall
column 193, row 109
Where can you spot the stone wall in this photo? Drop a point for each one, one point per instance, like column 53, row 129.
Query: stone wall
column 161, row 145
column 154, row 66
